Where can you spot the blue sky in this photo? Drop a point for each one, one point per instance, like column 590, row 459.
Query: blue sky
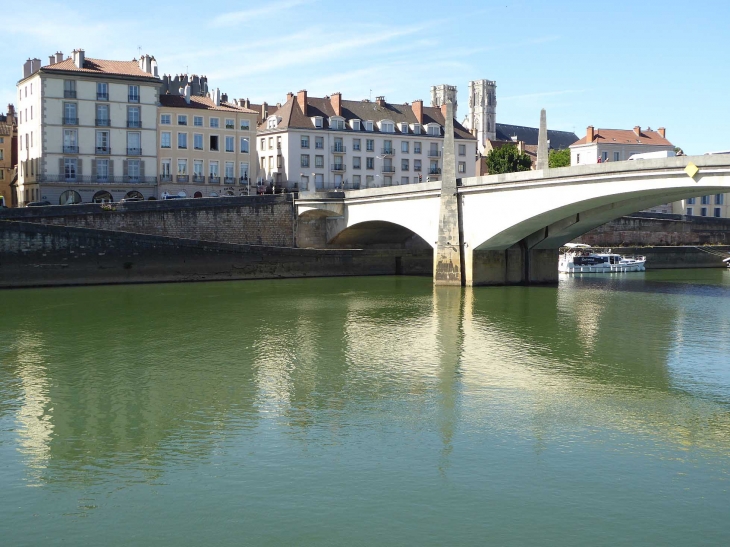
column 610, row 64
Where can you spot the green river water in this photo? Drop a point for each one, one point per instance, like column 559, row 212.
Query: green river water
column 368, row 411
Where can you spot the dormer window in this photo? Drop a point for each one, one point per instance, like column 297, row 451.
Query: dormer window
column 369, row 125
column 317, row 121
column 387, row 127
column 272, row 122
column 434, row 130
column 355, row 124
column 337, row 123
column 404, row 128
column 416, row 128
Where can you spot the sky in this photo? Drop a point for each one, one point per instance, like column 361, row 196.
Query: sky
column 613, row 64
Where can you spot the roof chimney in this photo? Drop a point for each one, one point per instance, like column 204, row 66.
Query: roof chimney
column 380, row 100
column 264, row 110
column 302, row 100
column 289, row 96
column 637, row 130
column 590, row 134
column 187, row 93
column 418, row 110
column 443, row 111
column 79, row 56
column 663, row 132
column 35, row 65
column 336, row 100
column 51, row 59
column 26, row 68
column 217, row 96
column 59, row 56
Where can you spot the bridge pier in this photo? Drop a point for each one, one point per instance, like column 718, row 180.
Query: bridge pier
column 516, row 265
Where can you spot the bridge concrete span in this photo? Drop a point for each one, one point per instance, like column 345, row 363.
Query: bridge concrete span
column 511, row 226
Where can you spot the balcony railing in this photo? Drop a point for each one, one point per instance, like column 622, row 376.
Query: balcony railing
column 214, row 180
column 417, row 168
column 95, row 179
column 70, row 121
column 134, row 151
column 199, row 178
column 338, row 167
column 434, row 153
column 388, row 169
column 434, row 171
column 70, row 149
column 229, row 180
column 243, row 180
column 230, row 126
column 102, row 96
column 339, row 149
column 133, row 98
column 165, row 178
column 134, row 123
column 69, row 93
column 387, row 151
column 103, row 150
column 182, row 178
column 103, row 122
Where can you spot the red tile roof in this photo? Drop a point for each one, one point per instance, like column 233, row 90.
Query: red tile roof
column 625, row 136
column 201, row 103
column 101, row 66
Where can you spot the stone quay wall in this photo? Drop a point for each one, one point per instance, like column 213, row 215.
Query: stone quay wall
column 657, row 229
column 256, row 220
column 34, row 255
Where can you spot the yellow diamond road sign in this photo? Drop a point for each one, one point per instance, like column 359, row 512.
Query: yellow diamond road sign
column 691, row 169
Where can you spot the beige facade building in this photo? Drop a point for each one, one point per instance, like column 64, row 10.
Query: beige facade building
column 87, row 129
column 8, row 155
column 205, row 144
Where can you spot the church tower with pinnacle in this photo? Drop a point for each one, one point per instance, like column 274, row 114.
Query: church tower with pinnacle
column 442, row 94
column 482, row 119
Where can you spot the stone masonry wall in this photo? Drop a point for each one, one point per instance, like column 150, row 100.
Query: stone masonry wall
column 258, row 220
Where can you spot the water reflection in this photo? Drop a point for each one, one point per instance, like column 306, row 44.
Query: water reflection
column 119, row 383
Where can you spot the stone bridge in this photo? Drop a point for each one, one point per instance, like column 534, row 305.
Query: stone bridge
column 506, row 229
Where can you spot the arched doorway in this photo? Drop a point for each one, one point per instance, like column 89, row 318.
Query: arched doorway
column 214, row 194
column 134, row 194
column 102, row 196
column 198, row 195
column 69, row 197
column 229, row 194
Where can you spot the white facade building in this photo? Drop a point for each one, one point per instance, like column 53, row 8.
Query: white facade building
column 87, row 129
column 602, row 145
column 314, row 144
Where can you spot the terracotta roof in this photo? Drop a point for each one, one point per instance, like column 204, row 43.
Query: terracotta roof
column 293, row 117
column 101, row 66
column 201, row 103
column 625, row 136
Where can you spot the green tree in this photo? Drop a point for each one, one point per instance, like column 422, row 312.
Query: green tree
column 507, row 159
column 559, row 158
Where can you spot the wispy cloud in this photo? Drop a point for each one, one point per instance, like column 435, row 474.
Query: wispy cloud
column 234, row 18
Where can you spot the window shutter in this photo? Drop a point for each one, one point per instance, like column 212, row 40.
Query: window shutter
column 125, row 170
column 79, row 163
column 60, row 166
column 93, row 168
column 141, row 169
column 111, row 168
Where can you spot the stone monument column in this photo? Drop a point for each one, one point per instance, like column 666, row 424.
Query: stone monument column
column 542, row 144
column 447, row 256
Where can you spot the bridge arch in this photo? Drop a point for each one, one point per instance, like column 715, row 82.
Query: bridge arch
column 379, row 233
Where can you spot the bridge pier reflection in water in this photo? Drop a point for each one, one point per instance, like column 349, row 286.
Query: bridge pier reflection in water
column 272, row 403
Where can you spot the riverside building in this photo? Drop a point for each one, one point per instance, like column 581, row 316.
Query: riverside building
column 312, row 144
column 8, row 151
column 205, row 142
column 87, row 129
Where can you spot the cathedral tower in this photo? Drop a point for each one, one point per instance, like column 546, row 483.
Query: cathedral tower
column 441, row 94
column 482, row 118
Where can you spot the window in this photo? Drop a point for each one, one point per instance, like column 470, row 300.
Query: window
column 243, row 170
column 214, row 122
column 213, row 142
column 102, row 115
column 165, row 119
column 102, row 142
column 198, row 141
column 717, row 212
column 69, row 168
column 416, row 147
column 182, row 167
column 230, row 123
column 133, row 94
column 304, row 141
column 691, row 201
column 577, row 158
column 198, row 121
column 616, row 156
column 245, row 126
column 355, row 124
column 213, row 168
column 417, row 129
column 319, row 181
column 387, row 127
column 719, row 198
column 263, row 144
column 705, row 200
column 369, row 125
column 102, row 170
column 134, row 143
column 69, row 114
column 318, row 162
column 271, row 143
column 387, row 181
column 304, row 160
column 102, row 91
column 703, row 211
column 133, row 169
column 133, row 117
column 244, row 145
column 337, row 123
column 434, row 130
column 165, row 168
column 370, row 145
column 197, row 169
column 356, row 181
column 604, row 156
column 271, row 162
column 404, row 146
column 416, row 165
column 462, row 150
column 369, row 163
column 404, row 128
column 388, row 147
column 356, row 162
column 404, row 165
column 319, row 143
column 356, row 144
column 318, row 122
column 462, row 167
column 165, row 140
column 230, row 143
column 278, row 143
column 369, row 181
column 404, row 180
column 230, row 171
column 69, row 89
column 182, row 140
column 182, row 119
